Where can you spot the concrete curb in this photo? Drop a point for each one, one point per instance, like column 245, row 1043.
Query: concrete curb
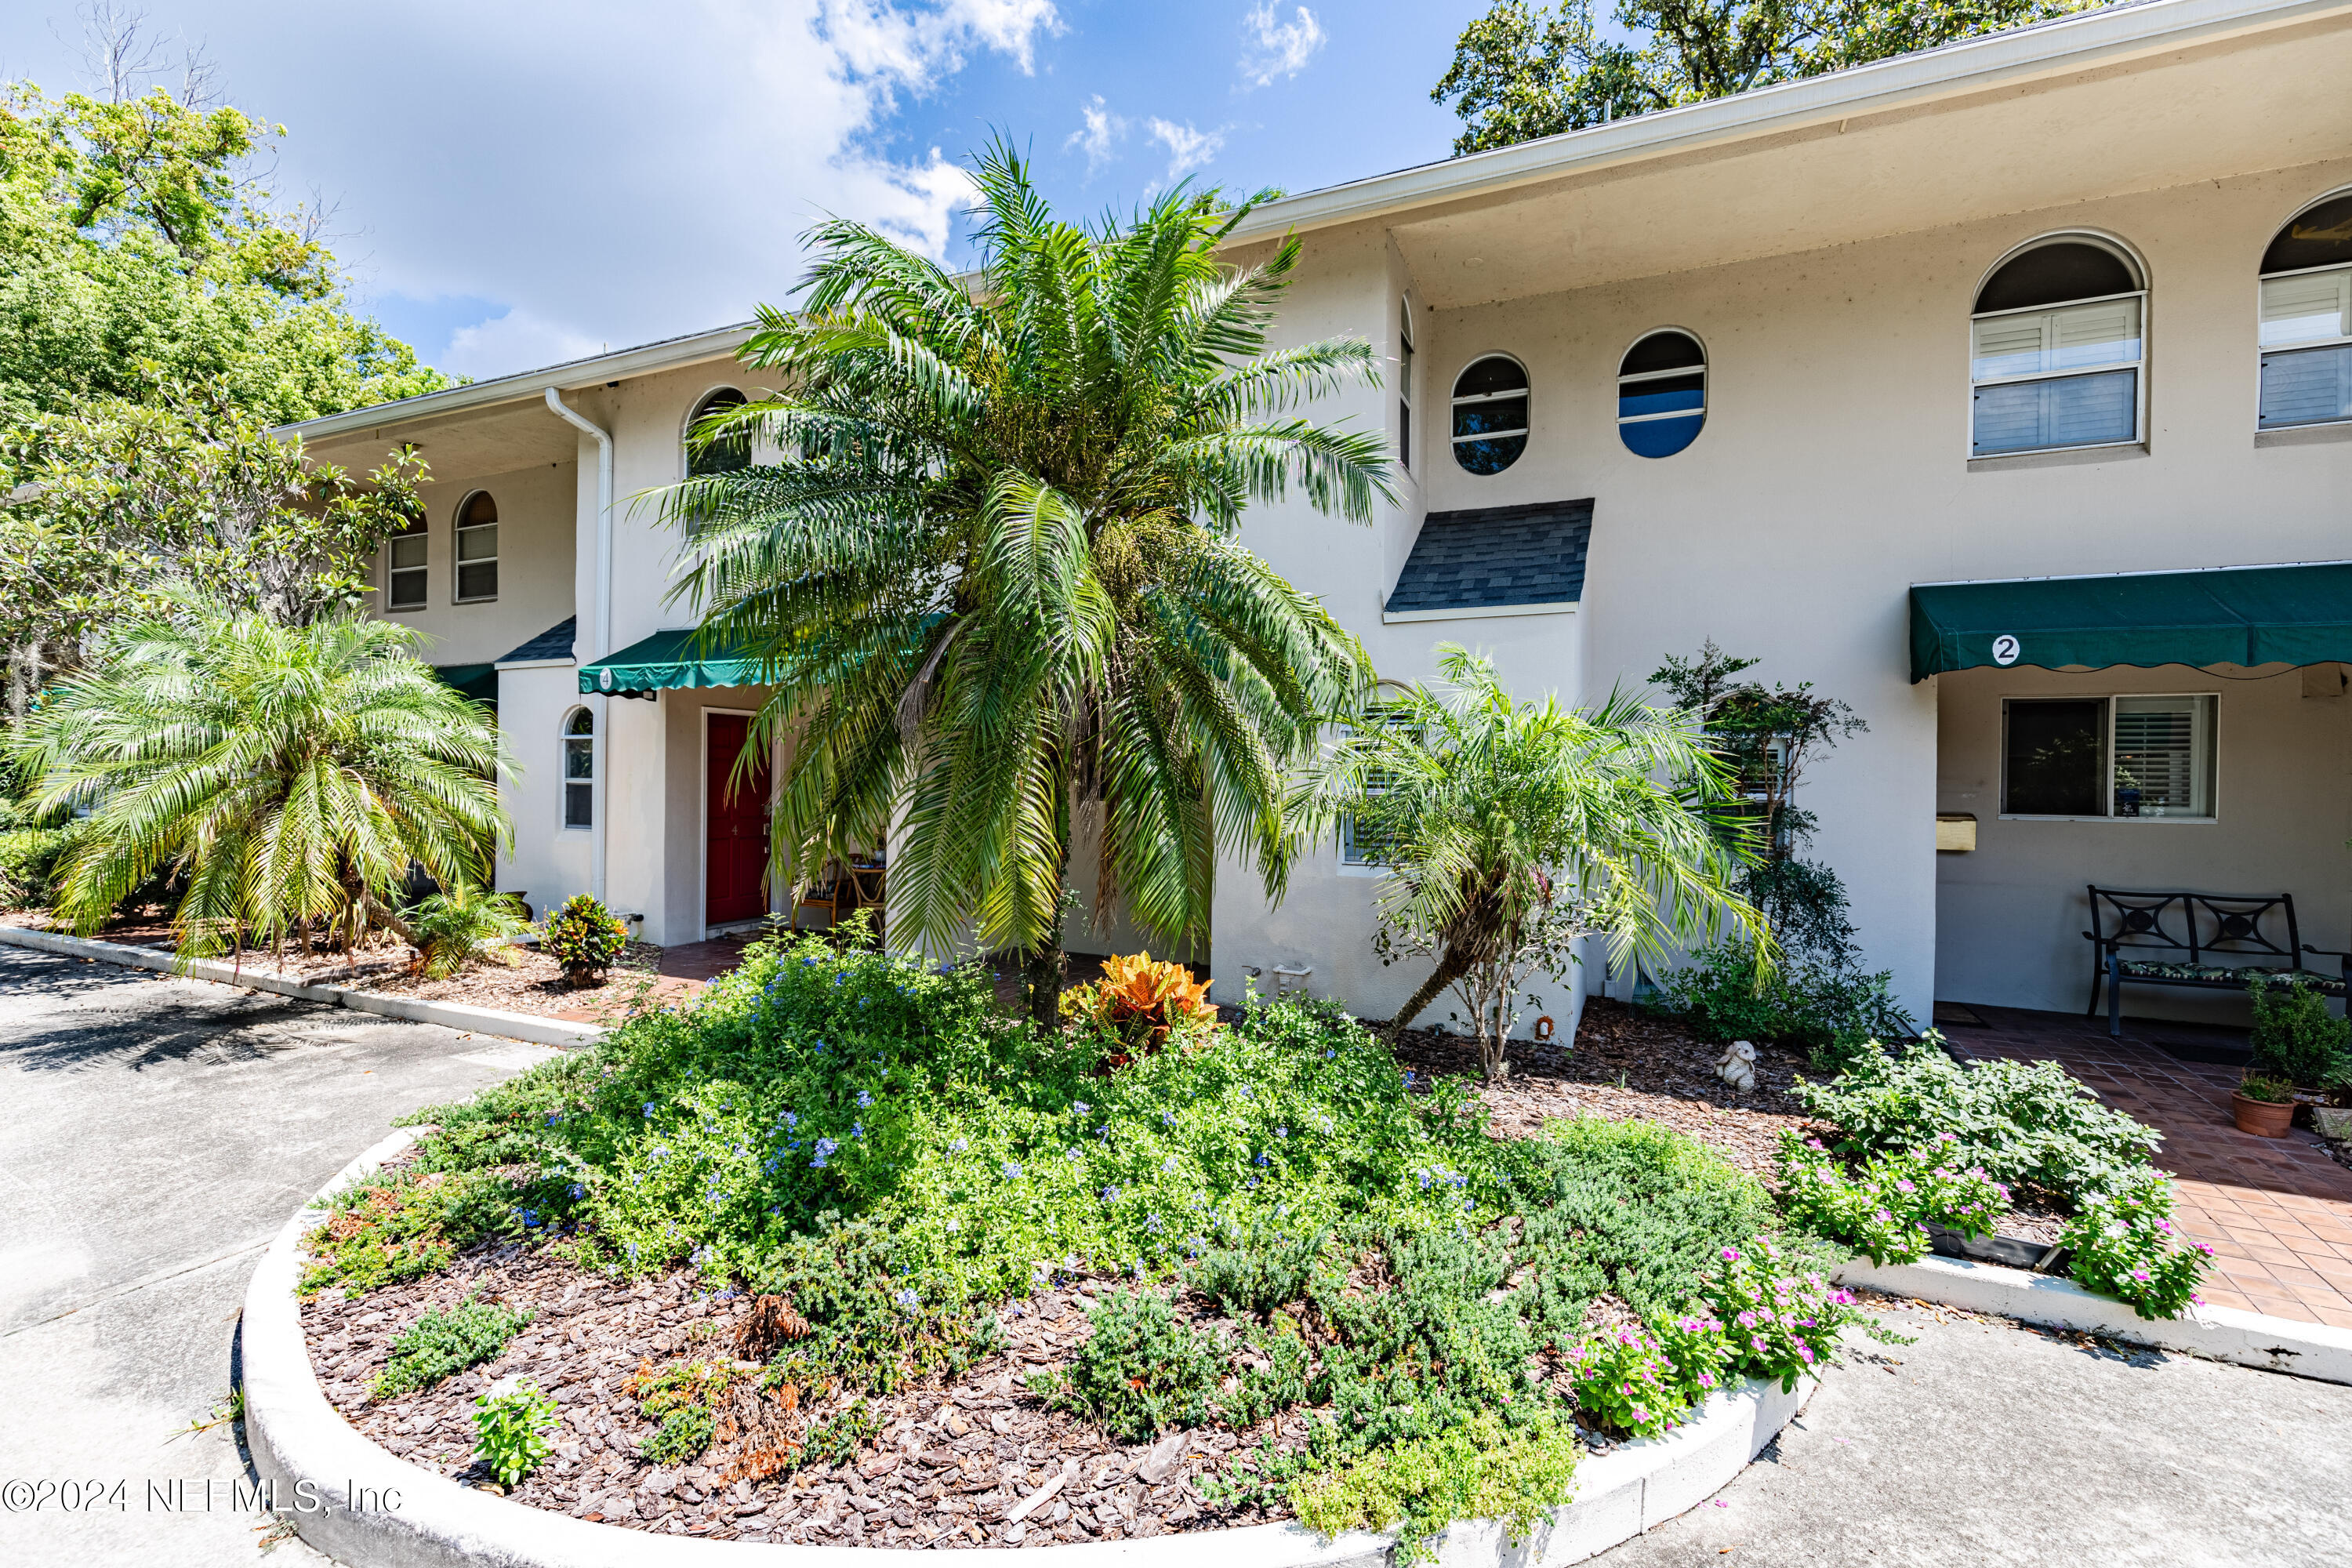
column 362, row 1506
column 2219, row 1333
column 531, row 1028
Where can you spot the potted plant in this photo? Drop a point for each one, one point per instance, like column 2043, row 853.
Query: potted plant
column 584, row 937
column 2264, row 1105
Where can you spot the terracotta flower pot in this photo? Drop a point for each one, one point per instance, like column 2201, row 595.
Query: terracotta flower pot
column 2262, row 1117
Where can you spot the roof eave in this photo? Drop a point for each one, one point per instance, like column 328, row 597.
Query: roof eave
column 2054, row 48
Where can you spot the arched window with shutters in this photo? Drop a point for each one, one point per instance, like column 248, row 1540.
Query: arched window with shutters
column 477, row 549
column 717, row 456
column 1661, row 392
column 580, row 769
column 2056, row 344
column 2307, row 328
column 1490, row 415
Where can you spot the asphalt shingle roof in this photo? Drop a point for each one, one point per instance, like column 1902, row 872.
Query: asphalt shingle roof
column 1497, row 555
column 555, row 642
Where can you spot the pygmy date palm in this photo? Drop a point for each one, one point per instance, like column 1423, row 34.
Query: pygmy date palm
column 994, row 577
column 1513, row 830
column 284, row 777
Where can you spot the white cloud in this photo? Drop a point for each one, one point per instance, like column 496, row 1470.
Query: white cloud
column 1102, row 129
column 604, row 171
column 1187, row 149
column 1278, row 49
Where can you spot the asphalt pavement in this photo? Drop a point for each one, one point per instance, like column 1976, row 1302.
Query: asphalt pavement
column 155, row 1135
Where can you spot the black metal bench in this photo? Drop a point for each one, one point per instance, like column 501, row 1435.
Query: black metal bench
column 2197, row 928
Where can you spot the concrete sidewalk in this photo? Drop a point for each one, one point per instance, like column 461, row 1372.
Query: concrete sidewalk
column 157, row 1132
column 1983, row 1442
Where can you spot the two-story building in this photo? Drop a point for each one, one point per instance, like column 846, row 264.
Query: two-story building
column 1965, row 385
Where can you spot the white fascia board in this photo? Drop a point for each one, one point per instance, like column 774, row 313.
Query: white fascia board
column 1476, row 612
column 529, row 386
column 536, row 664
column 2060, row 48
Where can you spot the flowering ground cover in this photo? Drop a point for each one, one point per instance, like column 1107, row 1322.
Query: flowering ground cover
column 842, row 1253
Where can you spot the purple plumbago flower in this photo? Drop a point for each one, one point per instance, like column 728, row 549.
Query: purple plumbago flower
column 1013, row 1170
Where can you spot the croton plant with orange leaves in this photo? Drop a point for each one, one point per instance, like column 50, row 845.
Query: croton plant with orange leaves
column 1141, row 1001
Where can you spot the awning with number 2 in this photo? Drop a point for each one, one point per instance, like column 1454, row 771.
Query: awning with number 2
column 2231, row 615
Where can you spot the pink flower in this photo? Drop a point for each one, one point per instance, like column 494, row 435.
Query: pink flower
column 1805, row 1353
column 1731, row 1255
column 1706, row 1380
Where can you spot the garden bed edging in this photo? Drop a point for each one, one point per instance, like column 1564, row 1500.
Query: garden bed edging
column 532, row 1028
column 316, row 1463
column 2219, row 1334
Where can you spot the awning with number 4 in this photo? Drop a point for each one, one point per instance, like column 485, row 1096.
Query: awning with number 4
column 2229, row 614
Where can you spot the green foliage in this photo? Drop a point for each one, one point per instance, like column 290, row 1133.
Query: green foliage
column 2125, row 1244
column 512, row 1432
column 1142, row 1371
column 407, row 1222
column 28, row 859
column 1522, row 72
column 439, row 1343
column 682, row 1436
column 1517, row 828
column 2270, row 1088
column 583, row 936
column 1266, row 1269
column 1019, row 505
column 1836, row 1015
column 2023, row 1124
column 290, row 774
column 1883, row 1209
column 1779, row 1322
column 1482, row 1469
column 461, row 924
column 2295, row 1038
column 136, row 237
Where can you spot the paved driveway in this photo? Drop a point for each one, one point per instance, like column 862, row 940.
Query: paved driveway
column 155, row 1134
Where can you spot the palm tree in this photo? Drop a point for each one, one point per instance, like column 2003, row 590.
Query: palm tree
column 996, row 578
column 288, row 776
column 1516, row 829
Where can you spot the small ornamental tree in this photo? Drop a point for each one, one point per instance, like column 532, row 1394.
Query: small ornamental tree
column 584, row 937
column 1512, row 829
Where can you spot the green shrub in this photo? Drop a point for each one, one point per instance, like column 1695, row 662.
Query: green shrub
column 584, row 937
column 2020, row 1122
column 1830, row 1011
column 2295, row 1038
column 1883, row 1209
column 682, row 1436
column 439, row 1343
column 511, row 1431
column 1142, row 1371
column 454, row 927
column 28, row 857
column 2270, row 1088
column 2125, row 1244
column 1267, row 1269
column 1481, row 1469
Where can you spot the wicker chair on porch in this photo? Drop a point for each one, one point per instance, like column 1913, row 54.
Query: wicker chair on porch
column 843, row 892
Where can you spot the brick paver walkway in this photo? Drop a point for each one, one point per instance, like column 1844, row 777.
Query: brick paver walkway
column 2278, row 1211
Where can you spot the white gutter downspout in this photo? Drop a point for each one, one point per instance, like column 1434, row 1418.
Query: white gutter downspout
column 600, row 642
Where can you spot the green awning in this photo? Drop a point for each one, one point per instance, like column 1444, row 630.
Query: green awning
column 668, row 660
column 479, row 682
column 2233, row 615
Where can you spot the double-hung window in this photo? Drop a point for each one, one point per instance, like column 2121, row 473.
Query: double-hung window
column 477, row 549
column 404, row 571
column 1404, row 385
column 580, row 769
column 2057, row 352
column 2109, row 756
column 2306, row 327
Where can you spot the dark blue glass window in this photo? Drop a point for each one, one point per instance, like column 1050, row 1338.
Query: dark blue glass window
column 1490, row 415
column 1662, row 394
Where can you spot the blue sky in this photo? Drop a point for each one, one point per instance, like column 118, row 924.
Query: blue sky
column 521, row 182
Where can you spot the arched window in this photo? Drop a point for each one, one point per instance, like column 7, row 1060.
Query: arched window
column 477, row 549
column 580, row 769
column 2055, row 349
column 719, row 457
column 2307, row 318
column 1490, row 415
column 1662, row 393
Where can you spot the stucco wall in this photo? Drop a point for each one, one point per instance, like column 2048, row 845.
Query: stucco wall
column 550, row 863
column 2010, row 913
column 536, row 532
column 1832, row 473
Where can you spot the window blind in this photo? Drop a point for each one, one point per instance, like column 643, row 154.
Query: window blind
column 2162, row 752
column 2311, row 306
column 2078, row 337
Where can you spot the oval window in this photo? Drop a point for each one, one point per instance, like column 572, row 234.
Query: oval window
column 1490, row 415
column 1662, row 393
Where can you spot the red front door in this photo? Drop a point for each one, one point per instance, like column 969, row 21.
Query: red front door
column 735, row 826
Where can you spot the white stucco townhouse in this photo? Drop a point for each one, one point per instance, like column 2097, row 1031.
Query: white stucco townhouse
column 1963, row 384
